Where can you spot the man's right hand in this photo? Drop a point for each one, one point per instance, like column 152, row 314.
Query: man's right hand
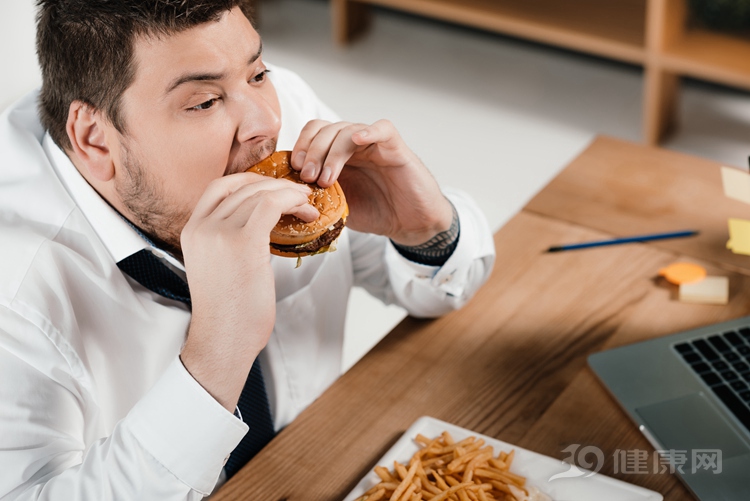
column 225, row 245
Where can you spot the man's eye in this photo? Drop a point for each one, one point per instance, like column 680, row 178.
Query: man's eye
column 205, row 105
column 260, row 77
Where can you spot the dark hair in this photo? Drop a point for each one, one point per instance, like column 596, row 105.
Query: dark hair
column 85, row 49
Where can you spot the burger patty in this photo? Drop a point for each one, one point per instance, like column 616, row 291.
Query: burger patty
column 314, row 245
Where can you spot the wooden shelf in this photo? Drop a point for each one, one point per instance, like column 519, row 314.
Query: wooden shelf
column 710, row 56
column 611, row 29
column 652, row 33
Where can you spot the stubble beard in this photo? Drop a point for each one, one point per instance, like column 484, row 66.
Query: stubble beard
column 154, row 213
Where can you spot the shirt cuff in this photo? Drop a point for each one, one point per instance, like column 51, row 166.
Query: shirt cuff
column 452, row 277
column 184, row 428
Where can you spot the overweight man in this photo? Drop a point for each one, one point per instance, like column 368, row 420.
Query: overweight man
column 150, row 345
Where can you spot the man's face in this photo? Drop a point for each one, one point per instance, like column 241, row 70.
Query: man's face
column 200, row 107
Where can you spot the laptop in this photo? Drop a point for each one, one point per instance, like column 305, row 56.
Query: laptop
column 689, row 394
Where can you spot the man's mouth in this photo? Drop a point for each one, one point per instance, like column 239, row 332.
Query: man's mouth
column 254, row 154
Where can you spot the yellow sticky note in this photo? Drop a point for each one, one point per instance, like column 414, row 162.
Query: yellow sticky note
column 739, row 236
column 736, row 184
column 710, row 290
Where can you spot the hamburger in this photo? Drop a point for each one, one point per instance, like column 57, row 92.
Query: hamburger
column 293, row 237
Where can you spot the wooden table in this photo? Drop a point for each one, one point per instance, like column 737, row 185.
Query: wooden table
column 512, row 363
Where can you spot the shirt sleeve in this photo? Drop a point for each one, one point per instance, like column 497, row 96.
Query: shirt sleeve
column 172, row 445
column 427, row 291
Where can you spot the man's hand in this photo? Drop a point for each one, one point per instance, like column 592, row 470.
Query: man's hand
column 226, row 250
column 388, row 189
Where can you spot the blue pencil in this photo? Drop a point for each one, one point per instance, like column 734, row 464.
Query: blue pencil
column 626, row 240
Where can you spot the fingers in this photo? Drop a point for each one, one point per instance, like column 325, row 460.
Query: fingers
column 338, row 154
column 323, row 149
column 305, row 212
column 219, row 189
column 232, row 201
column 309, row 131
column 381, row 131
column 259, row 213
column 254, row 216
column 229, row 205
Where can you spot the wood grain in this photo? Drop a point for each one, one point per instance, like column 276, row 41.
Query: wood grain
column 612, row 29
column 660, row 93
column 711, row 56
column 349, row 20
column 495, row 367
column 512, row 363
column 626, row 189
column 665, row 23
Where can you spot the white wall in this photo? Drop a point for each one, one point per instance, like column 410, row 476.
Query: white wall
column 19, row 72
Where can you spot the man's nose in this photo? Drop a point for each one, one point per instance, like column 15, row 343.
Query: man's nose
column 259, row 115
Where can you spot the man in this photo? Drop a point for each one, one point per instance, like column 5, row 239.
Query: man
column 140, row 308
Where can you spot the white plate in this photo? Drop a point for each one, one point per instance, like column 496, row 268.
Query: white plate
column 538, row 469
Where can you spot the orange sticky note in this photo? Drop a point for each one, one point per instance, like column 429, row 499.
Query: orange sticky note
column 683, row 273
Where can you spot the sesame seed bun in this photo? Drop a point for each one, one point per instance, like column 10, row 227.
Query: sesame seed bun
column 292, row 237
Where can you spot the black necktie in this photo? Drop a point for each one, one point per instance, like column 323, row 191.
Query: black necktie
column 149, row 271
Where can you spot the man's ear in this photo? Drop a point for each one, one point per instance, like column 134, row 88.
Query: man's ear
column 86, row 131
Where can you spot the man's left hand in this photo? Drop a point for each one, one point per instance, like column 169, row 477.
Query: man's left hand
column 389, row 190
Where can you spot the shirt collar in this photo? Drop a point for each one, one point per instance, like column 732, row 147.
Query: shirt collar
column 119, row 237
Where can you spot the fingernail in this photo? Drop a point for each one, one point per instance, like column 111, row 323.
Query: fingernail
column 308, row 170
column 363, row 133
column 325, row 176
column 300, row 158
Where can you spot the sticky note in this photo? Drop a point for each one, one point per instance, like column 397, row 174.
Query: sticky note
column 739, row 236
column 683, row 273
column 710, row 290
column 736, row 184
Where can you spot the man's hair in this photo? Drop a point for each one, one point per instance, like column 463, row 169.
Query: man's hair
column 86, row 50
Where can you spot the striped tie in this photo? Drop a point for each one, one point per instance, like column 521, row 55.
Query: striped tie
column 149, row 271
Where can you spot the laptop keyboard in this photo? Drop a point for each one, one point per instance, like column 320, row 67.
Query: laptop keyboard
column 722, row 361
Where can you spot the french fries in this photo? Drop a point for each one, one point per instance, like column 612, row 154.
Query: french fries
column 444, row 469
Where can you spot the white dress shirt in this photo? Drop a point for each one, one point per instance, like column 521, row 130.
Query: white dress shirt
column 94, row 401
